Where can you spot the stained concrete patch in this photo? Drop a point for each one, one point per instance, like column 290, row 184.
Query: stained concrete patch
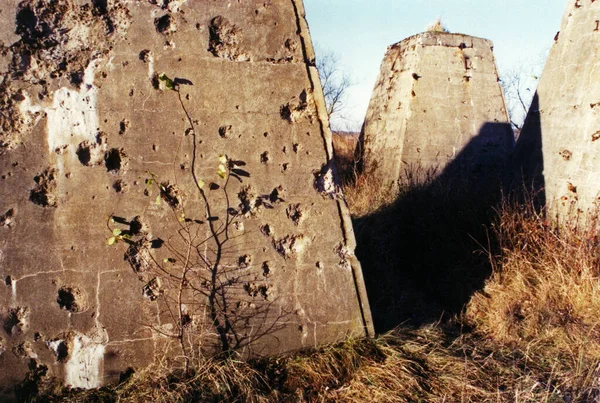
column 437, row 100
column 170, row 186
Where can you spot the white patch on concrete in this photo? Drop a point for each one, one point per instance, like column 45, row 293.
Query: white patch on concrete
column 150, row 66
column 73, row 118
column 86, row 358
column 325, row 183
column 175, row 5
column 29, row 111
column 13, row 285
column 54, row 345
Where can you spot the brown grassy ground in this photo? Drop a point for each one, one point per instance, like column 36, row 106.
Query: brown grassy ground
column 529, row 332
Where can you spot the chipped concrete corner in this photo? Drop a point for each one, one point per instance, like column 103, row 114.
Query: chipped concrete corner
column 437, row 101
column 166, row 189
column 558, row 147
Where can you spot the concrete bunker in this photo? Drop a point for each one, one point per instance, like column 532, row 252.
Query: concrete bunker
column 138, row 127
column 437, row 92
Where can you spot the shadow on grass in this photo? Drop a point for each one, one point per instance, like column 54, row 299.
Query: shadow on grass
column 424, row 256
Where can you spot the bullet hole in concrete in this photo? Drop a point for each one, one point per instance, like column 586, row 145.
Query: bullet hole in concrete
column 225, row 131
column 92, row 153
column 157, row 243
column 267, row 230
column 416, row 76
column 251, row 204
column 468, row 63
column 72, row 299
column 225, row 40
column 467, row 78
column 120, row 186
column 137, row 226
column 284, row 149
column 596, row 136
column 123, row 126
column 593, row 106
column 154, row 147
column 131, row 92
column 320, row 265
column 26, row 23
column 276, row 195
column 462, row 46
column 566, row 155
column 7, row 219
column 24, row 350
column 115, row 159
column 266, row 268
column 8, row 281
column 266, row 134
column 285, row 166
column 61, row 150
column 59, row 348
column 296, row 148
column 170, row 194
column 244, row 261
column 344, row 254
column 145, row 55
column 295, row 213
column 264, row 157
column 325, row 183
column 155, row 81
column 152, row 289
column 76, row 78
column 413, row 94
column 295, row 110
column 248, row 202
column 255, row 290
column 37, row 336
column 43, row 192
column 571, row 187
column 138, row 255
column 16, row 321
column 291, row 245
column 165, row 24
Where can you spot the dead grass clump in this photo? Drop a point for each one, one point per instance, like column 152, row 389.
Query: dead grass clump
column 345, row 156
column 367, row 194
column 437, row 26
column 543, row 298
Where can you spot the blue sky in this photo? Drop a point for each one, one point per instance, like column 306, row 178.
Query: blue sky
column 359, row 31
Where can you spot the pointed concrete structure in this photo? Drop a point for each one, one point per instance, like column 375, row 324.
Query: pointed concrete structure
column 559, row 147
column 166, row 189
column 437, row 101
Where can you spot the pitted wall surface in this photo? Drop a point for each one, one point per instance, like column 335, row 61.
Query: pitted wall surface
column 561, row 136
column 435, row 93
column 166, row 189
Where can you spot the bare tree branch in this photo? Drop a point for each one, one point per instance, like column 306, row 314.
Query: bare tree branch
column 335, row 83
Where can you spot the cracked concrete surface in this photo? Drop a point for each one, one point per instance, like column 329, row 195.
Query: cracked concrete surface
column 81, row 141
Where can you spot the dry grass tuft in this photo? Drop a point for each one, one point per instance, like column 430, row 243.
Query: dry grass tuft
column 437, row 26
column 543, row 298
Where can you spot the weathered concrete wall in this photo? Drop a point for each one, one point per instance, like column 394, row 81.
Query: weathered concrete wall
column 435, row 93
column 96, row 149
column 559, row 146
